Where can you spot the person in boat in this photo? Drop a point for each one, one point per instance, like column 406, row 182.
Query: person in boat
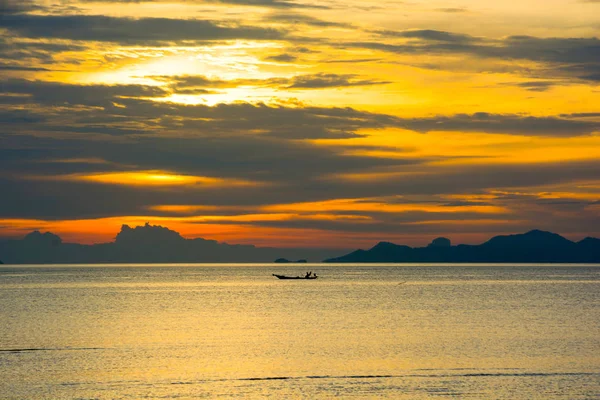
column 308, row 274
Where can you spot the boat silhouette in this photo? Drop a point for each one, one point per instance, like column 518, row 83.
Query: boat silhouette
column 295, row 277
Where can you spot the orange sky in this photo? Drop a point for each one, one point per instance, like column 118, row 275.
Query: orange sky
column 299, row 124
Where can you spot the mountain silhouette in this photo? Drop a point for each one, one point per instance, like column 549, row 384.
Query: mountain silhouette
column 158, row 244
column 144, row 244
column 533, row 246
column 285, row 261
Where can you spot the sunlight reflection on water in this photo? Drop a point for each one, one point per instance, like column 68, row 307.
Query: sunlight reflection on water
column 358, row 331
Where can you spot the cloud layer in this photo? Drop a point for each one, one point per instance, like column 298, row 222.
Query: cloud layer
column 280, row 118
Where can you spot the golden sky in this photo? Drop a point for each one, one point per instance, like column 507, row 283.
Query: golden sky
column 300, row 123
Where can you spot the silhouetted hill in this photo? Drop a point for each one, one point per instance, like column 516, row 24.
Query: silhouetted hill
column 533, row 246
column 440, row 242
column 286, row 261
column 143, row 244
column 591, row 248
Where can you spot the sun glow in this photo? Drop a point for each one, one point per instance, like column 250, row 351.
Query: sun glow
column 374, row 205
column 247, row 116
column 149, row 178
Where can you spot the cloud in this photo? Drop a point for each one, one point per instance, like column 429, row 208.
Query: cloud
column 8, row 7
column 433, row 180
column 130, row 108
column 272, row 3
column 452, row 10
column 564, row 57
column 284, row 57
column 353, row 61
column 321, row 80
column 31, row 56
column 429, row 34
column 504, row 123
column 287, row 167
column 293, row 171
column 124, row 109
column 308, row 81
column 297, row 18
column 8, row 67
column 55, row 93
column 534, row 86
column 581, row 115
column 278, row 4
column 129, row 30
column 246, row 142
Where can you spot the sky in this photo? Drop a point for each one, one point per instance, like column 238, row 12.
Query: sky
column 300, row 123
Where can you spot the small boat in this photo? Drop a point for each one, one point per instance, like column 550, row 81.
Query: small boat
column 295, row 277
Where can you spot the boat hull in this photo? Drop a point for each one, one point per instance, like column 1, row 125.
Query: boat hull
column 293, row 277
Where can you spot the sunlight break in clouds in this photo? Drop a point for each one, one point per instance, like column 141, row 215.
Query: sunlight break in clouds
column 150, row 178
column 301, row 122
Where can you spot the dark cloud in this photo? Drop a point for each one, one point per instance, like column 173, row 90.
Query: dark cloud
column 452, row 10
column 504, row 123
column 560, row 50
column 535, row 86
column 8, row 7
column 305, row 50
column 120, row 109
column 44, row 123
column 585, row 71
column 353, row 61
column 30, row 56
column 297, row 18
column 430, row 34
column 564, row 50
column 53, row 48
column 124, row 105
column 8, row 67
column 310, row 81
column 581, row 115
column 320, row 81
column 278, row 4
column 271, row 3
column 262, row 119
column 179, row 81
column 446, row 179
column 293, row 172
column 128, row 30
column 286, row 167
column 237, row 141
column 55, row 93
column 284, row 57
column 575, row 57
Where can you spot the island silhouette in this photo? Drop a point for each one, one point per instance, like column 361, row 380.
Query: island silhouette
column 535, row 246
column 145, row 244
column 158, row 244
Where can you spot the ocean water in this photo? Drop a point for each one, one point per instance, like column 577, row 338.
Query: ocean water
column 359, row 331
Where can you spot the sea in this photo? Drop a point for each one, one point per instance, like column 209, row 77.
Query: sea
column 364, row 331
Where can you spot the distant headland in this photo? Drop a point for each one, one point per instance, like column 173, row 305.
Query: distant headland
column 532, row 247
column 145, row 244
column 157, row 244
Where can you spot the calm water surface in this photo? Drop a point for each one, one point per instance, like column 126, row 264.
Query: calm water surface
column 363, row 331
